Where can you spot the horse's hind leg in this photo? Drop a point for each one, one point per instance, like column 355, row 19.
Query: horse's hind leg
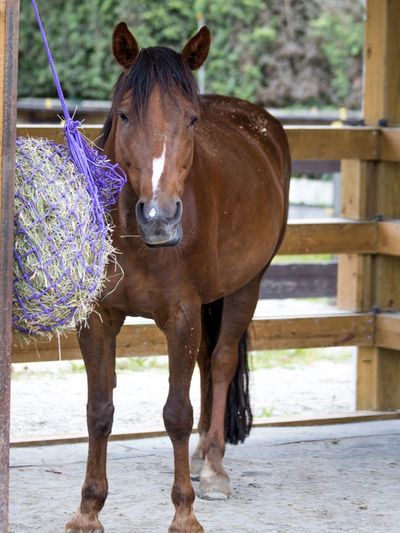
column 97, row 342
column 204, row 362
column 237, row 313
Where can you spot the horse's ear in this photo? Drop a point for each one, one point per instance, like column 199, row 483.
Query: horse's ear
column 125, row 47
column 196, row 50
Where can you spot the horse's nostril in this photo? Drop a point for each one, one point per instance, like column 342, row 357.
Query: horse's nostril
column 140, row 215
column 178, row 212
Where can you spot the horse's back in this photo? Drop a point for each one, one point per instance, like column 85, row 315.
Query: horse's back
column 247, row 126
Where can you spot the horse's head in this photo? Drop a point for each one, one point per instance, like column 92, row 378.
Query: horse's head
column 155, row 109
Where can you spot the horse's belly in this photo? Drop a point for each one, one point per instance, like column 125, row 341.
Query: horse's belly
column 246, row 245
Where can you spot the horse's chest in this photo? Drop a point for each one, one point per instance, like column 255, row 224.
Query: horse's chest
column 146, row 286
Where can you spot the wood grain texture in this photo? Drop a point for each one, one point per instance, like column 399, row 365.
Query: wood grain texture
column 141, row 340
column 9, row 12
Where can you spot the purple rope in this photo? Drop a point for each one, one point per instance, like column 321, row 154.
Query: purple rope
column 104, row 180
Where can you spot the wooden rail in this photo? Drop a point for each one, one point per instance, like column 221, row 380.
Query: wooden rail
column 141, row 339
column 306, row 142
column 144, row 339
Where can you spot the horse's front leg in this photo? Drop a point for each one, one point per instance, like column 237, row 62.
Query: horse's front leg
column 97, row 343
column 183, row 331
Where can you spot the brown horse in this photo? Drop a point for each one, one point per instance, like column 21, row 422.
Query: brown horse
column 199, row 220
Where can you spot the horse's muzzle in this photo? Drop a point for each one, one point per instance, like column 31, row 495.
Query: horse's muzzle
column 160, row 225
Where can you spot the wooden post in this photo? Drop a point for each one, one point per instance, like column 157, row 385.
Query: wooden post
column 9, row 14
column 372, row 189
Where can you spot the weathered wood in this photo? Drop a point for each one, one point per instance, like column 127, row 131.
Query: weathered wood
column 313, row 331
column 381, row 67
column 387, row 331
column 379, row 368
column 139, row 340
column 353, row 288
column 389, row 144
column 378, row 372
column 325, row 142
column 330, row 236
column 8, row 88
column 389, row 237
column 306, row 142
column 299, row 280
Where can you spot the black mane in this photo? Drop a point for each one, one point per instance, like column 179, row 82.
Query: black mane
column 159, row 66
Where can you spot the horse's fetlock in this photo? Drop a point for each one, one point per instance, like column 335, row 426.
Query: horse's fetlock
column 182, row 497
column 93, row 497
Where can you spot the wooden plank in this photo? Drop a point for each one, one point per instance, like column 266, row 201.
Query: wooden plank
column 354, row 290
column 9, row 12
column 389, row 237
column 297, row 421
column 387, row 333
column 378, row 378
column 326, row 142
column 330, row 236
column 140, row 340
column 378, row 367
column 313, row 331
column 306, row 142
column 381, row 68
column 389, row 144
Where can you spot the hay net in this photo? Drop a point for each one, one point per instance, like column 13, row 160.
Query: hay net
column 62, row 237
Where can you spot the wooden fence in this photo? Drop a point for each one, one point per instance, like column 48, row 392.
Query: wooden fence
column 367, row 238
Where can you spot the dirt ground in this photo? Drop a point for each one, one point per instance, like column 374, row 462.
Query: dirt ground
column 53, row 402
column 342, row 478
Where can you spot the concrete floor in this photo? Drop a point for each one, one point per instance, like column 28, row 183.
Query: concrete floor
column 287, row 480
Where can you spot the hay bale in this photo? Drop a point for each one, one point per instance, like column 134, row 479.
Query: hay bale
column 62, row 241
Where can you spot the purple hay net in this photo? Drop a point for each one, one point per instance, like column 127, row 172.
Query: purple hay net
column 103, row 182
column 46, row 226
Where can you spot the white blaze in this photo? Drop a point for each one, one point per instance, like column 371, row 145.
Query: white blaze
column 158, row 168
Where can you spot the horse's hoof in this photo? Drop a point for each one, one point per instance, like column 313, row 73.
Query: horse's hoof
column 186, row 525
column 83, row 523
column 196, row 466
column 214, row 485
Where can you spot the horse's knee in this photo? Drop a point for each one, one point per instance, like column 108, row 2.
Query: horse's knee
column 100, row 419
column 178, row 418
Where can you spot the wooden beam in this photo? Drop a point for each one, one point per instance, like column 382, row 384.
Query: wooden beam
column 379, row 367
column 141, row 340
column 326, row 142
column 9, row 12
column 330, row 236
column 387, row 332
column 389, row 144
column 389, row 237
column 313, row 331
column 306, row 142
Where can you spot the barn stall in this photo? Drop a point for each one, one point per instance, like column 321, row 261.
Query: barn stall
column 366, row 238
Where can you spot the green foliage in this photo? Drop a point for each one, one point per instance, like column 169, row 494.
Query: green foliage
column 275, row 52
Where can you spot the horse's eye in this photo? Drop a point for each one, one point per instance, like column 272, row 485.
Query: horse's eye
column 123, row 117
column 193, row 121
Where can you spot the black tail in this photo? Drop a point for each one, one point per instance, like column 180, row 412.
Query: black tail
column 238, row 415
